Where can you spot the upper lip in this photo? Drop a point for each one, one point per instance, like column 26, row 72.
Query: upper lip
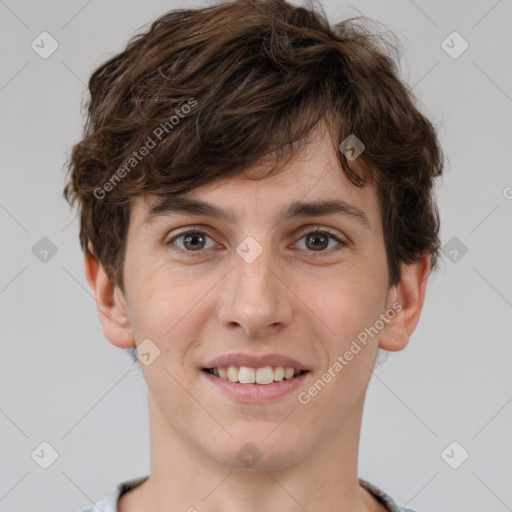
column 253, row 361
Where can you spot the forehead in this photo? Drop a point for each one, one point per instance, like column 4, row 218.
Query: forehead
column 311, row 183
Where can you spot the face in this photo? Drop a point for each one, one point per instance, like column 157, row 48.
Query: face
column 302, row 286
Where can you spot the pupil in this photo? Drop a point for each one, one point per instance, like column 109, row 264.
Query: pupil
column 316, row 237
column 193, row 237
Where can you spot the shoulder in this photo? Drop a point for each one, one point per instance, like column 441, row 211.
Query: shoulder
column 384, row 498
column 109, row 502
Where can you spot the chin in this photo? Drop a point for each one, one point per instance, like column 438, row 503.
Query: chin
column 258, row 452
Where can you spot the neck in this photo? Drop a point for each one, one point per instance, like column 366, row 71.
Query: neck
column 323, row 478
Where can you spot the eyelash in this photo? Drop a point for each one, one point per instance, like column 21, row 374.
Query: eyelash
column 314, row 230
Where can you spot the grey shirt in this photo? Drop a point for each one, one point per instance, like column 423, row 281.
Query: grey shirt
column 109, row 503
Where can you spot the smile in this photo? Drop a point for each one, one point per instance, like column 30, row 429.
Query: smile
column 247, row 375
column 252, row 392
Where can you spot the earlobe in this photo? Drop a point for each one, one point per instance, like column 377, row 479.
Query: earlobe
column 409, row 295
column 110, row 304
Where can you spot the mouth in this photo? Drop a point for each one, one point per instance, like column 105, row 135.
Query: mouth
column 256, row 376
column 257, row 386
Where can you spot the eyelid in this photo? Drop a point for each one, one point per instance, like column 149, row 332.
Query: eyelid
column 187, row 231
column 342, row 241
column 193, row 228
column 318, row 227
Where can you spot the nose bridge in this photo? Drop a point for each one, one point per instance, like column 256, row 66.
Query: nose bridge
column 255, row 298
column 254, row 262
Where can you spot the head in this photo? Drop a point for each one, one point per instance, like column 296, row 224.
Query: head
column 247, row 105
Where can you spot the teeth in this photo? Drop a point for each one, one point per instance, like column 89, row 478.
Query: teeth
column 247, row 375
column 263, row 375
column 279, row 373
column 288, row 372
column 233, row 373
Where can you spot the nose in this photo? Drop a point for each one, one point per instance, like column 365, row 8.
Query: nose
column 255, row 297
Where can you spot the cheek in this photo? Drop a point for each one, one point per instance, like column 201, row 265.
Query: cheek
column 165, row 307
column 347, row 307
column 349, row 301
column 150, row 298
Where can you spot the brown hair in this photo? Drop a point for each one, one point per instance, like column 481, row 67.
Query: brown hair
column 204, row 93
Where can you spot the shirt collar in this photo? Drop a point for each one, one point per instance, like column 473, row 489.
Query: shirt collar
column 109, row 503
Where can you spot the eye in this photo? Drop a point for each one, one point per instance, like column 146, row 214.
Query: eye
column 193, row 241
column 318, row 240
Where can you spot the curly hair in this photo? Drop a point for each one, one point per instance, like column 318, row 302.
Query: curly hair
column 204, row 93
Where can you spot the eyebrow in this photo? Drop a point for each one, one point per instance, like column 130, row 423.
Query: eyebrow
column 196, row 207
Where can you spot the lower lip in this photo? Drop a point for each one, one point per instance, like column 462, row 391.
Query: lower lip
column 256, row 393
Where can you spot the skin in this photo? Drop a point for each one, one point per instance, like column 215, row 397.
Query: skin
column 306, row 302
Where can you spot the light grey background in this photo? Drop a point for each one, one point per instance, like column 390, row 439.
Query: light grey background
column 63, row 383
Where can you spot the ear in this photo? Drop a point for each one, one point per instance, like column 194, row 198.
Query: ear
column 408, row 297
column 110, row 303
